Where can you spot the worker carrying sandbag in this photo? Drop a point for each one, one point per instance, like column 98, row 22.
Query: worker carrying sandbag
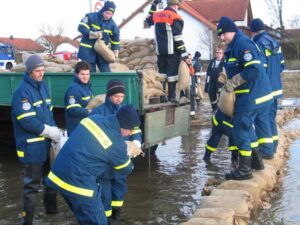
column 92, row 29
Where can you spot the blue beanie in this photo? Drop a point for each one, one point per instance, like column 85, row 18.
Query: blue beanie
column 109, row 6
column 257, row 25
column 128, row 117
column 226, row 25
column 33, row 62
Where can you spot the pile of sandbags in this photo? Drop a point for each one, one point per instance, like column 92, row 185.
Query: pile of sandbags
column 138, row 53
column 152, row 85
column 52, row 64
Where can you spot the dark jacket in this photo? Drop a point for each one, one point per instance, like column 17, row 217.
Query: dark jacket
column 212, row 75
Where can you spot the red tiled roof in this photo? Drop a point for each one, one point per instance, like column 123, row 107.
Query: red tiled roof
column 213, row 10
column 23, row 44
column 184, row 6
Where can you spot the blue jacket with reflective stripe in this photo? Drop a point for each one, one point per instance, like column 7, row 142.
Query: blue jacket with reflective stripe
column 77, row 97
column 273, row 60
column 95, row 146
column 109, row 108
column 95, row 22
column 31, row 109
column 242, row 56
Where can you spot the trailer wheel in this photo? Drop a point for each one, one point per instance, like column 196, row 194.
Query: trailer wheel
column 8, row 66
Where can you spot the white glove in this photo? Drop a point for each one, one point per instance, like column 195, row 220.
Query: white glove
column 51, row 132
column 95, row 34
column 137, row 143
column 116, row 52
column 132, row 149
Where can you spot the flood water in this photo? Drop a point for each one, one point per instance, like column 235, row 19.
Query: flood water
column 164, row 188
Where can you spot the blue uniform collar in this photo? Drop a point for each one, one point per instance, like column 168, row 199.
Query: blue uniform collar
column 238, row 34
column 31, row 81
column 110, row 105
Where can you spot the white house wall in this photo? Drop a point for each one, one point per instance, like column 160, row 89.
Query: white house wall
column 66, row 47
column 191, row 33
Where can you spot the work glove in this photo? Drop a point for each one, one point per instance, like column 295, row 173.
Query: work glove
column 132, row 149
column 156, row 2
column 236, row 81
column 116, row 52
column 137, row 143
column 51, row 132
column 222, row 78
column 95, row 34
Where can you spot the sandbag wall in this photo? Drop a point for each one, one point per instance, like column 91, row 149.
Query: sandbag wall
column 233, row 202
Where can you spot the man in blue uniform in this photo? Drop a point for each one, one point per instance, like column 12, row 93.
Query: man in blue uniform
column 99, row 25
column 170, row 47
column 114, row 186
column 95, row 147
column 34, row 129
column 251, row 85
column 78, row 96
column 274, row 64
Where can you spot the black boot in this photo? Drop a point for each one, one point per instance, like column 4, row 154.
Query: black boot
column 257, row 161
column 27, row 216
column 206, row 156
column 115, row 216
column 50, row 201
column 172, row 92
column 235, row 158
column 243, row 172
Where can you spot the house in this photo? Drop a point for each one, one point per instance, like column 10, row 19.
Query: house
column 23, row 44
column 58, row 43
column 200, row 22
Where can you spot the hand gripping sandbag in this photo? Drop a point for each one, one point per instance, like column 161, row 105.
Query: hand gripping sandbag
column 101, row 48
column 226, row 102
column 132, row 149
column 183, row 76
column 94, row 102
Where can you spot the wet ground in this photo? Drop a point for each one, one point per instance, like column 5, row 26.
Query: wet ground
column 164, row 189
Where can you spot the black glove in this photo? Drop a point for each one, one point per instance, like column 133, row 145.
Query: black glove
column 156, row 2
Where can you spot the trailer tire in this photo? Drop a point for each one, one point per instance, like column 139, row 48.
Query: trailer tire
column 9, row 66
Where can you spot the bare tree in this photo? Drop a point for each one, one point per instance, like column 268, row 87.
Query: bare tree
column 294, row 22
column 51, row 37
column 207, row 40
column 275, row 8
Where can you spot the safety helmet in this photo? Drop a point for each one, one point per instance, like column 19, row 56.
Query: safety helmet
column 174, row 2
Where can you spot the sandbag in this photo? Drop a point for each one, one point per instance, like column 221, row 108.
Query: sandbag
column 118, row 67
column 132, row 149
column 19, row 68
column 54, row 69
column 200, row 92
column 101, row 48
column 226, row 102
column 183, row 76
column 97, row 100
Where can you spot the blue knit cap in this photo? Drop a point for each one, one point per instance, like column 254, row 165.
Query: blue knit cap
column 128, row 117
column 226, row 25
column 33, row 62
column 257, row 25
column 109, row 6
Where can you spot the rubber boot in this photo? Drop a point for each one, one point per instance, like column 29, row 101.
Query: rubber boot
column 163, row 98
column 27, row 216
column 206, row 156
column 234, row 158
column 115, row 216
column 50, row 201
column 172, row 92
column 243, row 172
column 257, row 161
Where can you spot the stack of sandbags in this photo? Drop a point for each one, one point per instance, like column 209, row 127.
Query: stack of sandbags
column 138, row 53
column 52, row 64
column 152, row 85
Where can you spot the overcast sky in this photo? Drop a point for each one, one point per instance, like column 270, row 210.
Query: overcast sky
column 21, row 18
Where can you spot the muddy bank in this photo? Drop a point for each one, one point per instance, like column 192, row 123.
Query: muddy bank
column 234, row 202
